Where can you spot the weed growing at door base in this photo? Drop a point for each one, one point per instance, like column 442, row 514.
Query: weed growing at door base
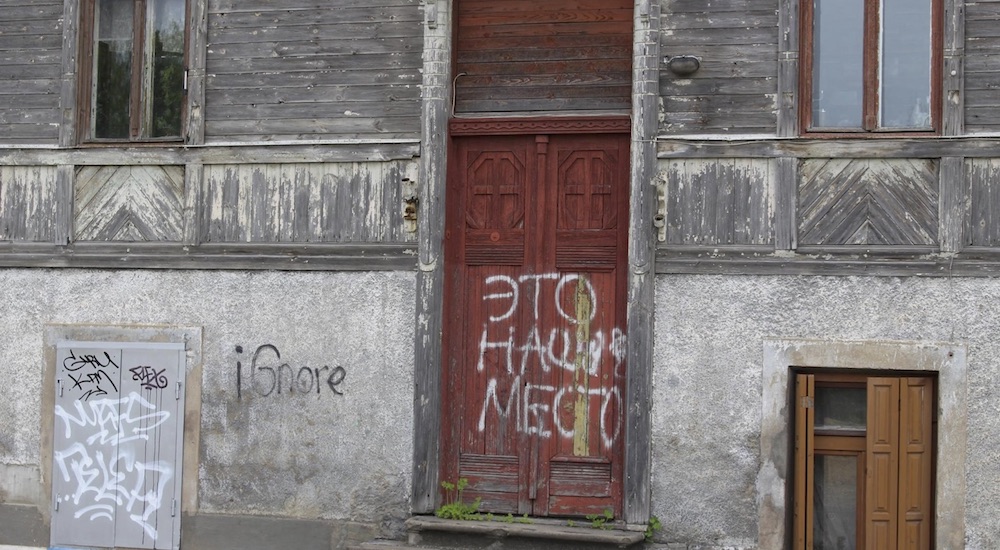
column 600, row 521
column 652, row 527
column 455, row 508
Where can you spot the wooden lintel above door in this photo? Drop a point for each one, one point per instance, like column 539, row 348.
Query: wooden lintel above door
column 609, row 124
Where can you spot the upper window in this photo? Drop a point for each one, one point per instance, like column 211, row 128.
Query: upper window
column 132, row 69
column 870, row 65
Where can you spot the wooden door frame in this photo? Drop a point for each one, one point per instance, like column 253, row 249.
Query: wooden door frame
column 552, row 134
column 435, row 117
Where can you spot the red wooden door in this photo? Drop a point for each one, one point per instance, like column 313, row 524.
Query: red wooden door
column 535, row 316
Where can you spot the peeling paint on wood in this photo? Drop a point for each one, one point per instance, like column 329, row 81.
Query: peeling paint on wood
column 984, row 209
column 719, row 201
column 318, row 202
column 129, row 203
column 868, row 201
column 28, row 207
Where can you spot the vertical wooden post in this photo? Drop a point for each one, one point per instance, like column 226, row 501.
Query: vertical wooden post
column 435, row 112
column 68, row 95
column 788, row 68
column 194, row 227
column 641, row 260
column 785, row 181
column 953, row 96
column 194, row 131
column 953, row 193
column 62, row 226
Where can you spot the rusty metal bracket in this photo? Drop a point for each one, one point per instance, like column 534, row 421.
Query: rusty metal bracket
column 660, row 217
column 411, row 203
column 431, row 14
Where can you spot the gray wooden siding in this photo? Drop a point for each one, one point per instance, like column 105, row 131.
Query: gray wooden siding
column 983, row 176
column 301, row 203
column 718, row 201
column 734, row 91
column 129, row 203
column 304, row 69
column 868, row 202
column 250, row 204
column 27, row 203
column 30, row 71
column 982, row 66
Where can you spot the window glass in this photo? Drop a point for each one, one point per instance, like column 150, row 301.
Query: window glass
column 841, row 408
column 906, row 64
column 838, row 63
column 136, row 76
column 835, row 503
column 167, row 22
column 112, row 83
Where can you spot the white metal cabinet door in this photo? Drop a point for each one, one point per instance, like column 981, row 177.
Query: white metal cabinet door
column 117, row 444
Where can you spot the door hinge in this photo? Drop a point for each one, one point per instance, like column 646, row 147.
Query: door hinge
column 58, row 497
column 807, row 402
column 59, row 388
column 177, row 393
column 173, row 508
column 185, row 80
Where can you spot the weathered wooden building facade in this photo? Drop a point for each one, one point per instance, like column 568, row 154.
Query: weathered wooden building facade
column 273, row 270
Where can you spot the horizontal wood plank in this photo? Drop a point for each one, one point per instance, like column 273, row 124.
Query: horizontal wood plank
column 520, row 56
column 372, row 151
column 737, row 45
column 339, row 257
column 764, row 146
column 307, row 57
column 31, row 64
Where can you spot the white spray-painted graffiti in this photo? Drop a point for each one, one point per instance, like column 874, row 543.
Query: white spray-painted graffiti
column 105, row 476
column 519, row 343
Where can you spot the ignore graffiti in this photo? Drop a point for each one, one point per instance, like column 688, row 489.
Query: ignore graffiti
column 268, row 375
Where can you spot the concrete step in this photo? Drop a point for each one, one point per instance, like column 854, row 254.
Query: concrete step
column 380, row 544
column 519, row 534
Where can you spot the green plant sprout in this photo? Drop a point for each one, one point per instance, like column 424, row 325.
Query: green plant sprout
column 652, row 527
column 600, row 521
column 455, row 508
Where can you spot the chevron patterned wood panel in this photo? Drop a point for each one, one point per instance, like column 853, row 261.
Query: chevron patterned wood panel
column 27, row 202
column 719, row 201
column 315, row 202
column 129, row 203
column 868, row 202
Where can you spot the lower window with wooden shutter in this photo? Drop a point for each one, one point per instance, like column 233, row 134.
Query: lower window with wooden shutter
column 864, row 458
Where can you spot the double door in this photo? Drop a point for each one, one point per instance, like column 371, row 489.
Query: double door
column 534, row 336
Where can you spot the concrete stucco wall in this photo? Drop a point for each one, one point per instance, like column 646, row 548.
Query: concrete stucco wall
column 313, row 453
column 708, row 355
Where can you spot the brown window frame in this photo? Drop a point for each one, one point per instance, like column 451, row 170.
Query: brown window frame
column 870, row 100
column 137, row 97
column 810, row 441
